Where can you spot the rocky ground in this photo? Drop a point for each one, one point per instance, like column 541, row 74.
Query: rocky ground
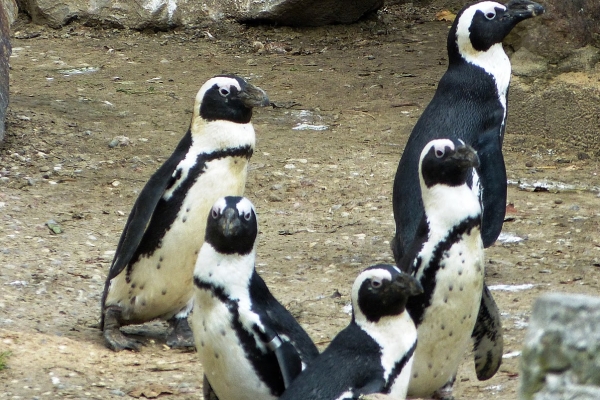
column 94, row 112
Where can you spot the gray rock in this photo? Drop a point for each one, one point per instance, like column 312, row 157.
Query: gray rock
column 561, row 353
column 7, row 16
column 164, row 14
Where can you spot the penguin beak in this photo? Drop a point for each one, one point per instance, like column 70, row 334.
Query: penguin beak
column 408, row 284
column 229, row 223
column 523, row 9
column 253, row 96
column 466, row 157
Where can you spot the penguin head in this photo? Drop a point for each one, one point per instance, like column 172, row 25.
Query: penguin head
column 228, row 98
column 479, row 26
column 232, row 226
column 443, row 162
column 382, row 290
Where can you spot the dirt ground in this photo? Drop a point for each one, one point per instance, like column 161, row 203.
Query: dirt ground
column 323, row 196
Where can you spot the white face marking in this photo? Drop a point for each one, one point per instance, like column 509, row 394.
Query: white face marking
column 225, row 83
column 380, row 274
column 245, row 208
column 494, row 61
column 218, row 207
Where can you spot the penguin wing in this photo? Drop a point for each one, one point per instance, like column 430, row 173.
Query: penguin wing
column 144, row 207
column 492, row 176
column 488, row 343
column 295, row 347
column 349, row 367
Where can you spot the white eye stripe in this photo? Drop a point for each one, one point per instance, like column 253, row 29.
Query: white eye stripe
column 245, row 208
column 224, row 91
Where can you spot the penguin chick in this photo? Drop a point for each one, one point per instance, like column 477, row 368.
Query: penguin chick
column 447, row 259
column 374, row 353
column 151, row 274
column 249, row 345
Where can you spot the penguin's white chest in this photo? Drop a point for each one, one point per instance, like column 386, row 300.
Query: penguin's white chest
column 225, row 363
column 161, row 283
column 445, row 332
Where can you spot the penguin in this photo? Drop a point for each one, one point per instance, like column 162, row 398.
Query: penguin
column 470, row 104
column 448, row 261
column 152, row 271
column 249, row 345
column 374, row 353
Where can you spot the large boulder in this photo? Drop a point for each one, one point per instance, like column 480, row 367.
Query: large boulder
column 561, row 354
column 164, row 14
column 8, row 12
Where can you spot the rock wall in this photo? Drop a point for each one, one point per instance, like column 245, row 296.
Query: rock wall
column 165, row 14
column 8, row 11
column 561, row 354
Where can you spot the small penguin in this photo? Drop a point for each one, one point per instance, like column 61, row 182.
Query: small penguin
column 374, row 353
column 152, row 271
column 249, row 345
column 447, row 260
column 470, row 104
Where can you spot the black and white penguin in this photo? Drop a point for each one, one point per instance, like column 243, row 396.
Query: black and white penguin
column 470, row 104
column 249, row 345
column 152, row 270
column 447, row 259
column 374, row 353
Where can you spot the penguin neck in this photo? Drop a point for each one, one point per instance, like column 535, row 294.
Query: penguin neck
column 493, row 61
column 213, row 136
column 230, row 272
column 446, row 206
column 394, row 334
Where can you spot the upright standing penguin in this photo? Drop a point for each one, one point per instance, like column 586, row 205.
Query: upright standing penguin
column 447, row 259
column 249, row 345
column 152, row 271
column 374, row 353
column 470, row 104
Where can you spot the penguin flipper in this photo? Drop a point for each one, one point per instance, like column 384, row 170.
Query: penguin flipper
column 143, row 209
column 488, row 343
column 375, row 385
column 290, row 363
column 492, row 175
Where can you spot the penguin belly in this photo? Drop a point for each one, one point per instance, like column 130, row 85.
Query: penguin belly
column 225, row 364
column 161, row 283
column 445, row 332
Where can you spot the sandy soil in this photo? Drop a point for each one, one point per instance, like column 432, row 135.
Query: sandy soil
column 323, row 196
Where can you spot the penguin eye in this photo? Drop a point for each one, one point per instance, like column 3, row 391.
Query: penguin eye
column 224, row 92
column 376, row 283
column 490, row 15
column 214, row 213
column 439, row 153
column 247, row 216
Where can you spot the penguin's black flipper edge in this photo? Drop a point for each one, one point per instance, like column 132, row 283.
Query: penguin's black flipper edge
column 488, row 343
column 375, row 385
column 144, row 207
column 289, row 361
column 492, row 174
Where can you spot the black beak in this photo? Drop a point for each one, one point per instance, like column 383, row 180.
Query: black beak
column 523, row 9
column 229, row 223
column 466, row 156
column 253, row 96
column 408, row 284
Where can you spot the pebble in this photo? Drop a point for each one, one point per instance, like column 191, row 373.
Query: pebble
column 275, row 198
column 44, row 169
column 529, row 164
column 558, row 201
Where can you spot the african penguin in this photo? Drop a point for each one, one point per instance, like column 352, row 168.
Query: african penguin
column 447, row 259
column 249, row 345
column 152, row 271
column 470, row 103
column 374, row 353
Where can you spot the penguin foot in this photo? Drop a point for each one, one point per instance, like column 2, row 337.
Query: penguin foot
column 181, row 335
column 113, row 337
column 445, row 392
column 207, row 390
